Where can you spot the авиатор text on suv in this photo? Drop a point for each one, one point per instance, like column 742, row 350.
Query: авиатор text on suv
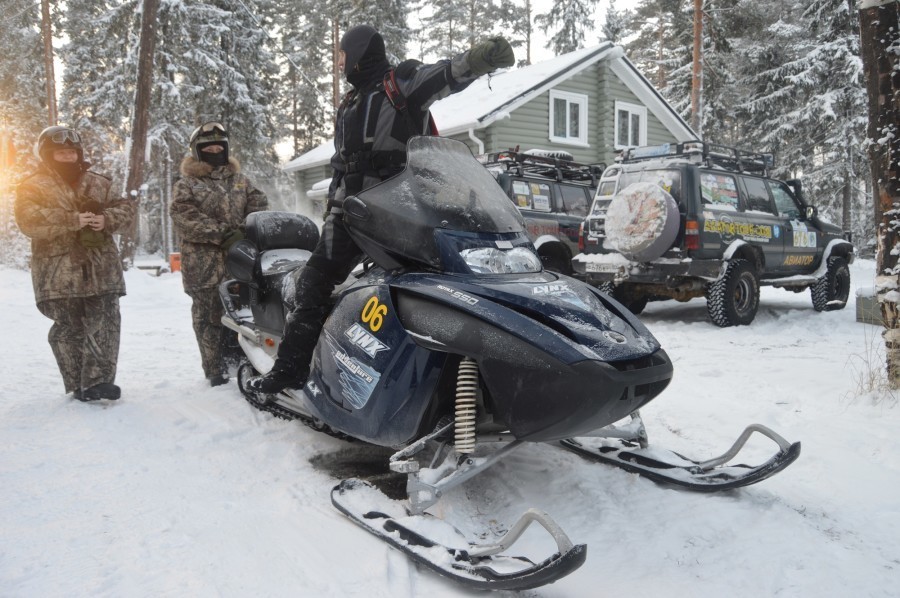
column 692, row 219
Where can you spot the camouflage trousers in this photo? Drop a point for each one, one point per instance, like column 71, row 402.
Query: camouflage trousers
column 84, row 338
column 206, row 313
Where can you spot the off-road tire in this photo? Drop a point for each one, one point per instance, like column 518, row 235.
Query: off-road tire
column 834, row 286
column 734, row 299
column 634, row 304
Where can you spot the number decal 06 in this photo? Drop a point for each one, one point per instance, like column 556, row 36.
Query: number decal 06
column 373, row 314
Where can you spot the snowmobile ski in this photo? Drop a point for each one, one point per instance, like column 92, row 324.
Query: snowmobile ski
column 669, row 467
column 474, row 566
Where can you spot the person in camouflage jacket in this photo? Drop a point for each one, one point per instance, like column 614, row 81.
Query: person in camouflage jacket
column 70, row 214
column 209, row 207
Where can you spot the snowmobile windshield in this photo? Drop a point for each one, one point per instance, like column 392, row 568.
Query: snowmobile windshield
column 443, row 193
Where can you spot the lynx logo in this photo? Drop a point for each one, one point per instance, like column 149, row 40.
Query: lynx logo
column 313, row 389
column 365, row 341
column 551, row 289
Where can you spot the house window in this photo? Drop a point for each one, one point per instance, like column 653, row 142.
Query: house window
column 631, row 125
column 568, row 117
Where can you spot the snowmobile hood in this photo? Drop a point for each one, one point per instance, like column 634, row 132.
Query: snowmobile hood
column 442, row 189
column 569, row 319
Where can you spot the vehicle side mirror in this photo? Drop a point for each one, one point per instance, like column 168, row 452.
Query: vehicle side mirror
column 812, row 212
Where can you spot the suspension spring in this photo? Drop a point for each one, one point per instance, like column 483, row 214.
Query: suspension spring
column 466, row 396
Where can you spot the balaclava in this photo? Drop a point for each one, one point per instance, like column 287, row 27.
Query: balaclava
column 58, row 137
column 211, row 133
column 366, row 60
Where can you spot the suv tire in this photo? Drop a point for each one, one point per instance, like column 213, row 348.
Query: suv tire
column 642, row 222
column 833, row 287
column 734, row 299
column 634, row 304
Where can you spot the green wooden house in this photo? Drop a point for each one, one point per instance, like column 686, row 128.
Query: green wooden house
column 591, row 103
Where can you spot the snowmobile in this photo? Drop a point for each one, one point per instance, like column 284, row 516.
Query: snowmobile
column 454, row 348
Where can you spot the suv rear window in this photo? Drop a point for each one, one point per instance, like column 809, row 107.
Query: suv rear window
column 530, row 195
column 669, row 180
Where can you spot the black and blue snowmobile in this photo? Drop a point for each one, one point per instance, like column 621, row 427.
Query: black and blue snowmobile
column 454, row 347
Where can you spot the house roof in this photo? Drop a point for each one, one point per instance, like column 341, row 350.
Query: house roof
column 491, row 98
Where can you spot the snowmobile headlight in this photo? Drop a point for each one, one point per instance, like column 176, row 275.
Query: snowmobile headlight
column 490, row 260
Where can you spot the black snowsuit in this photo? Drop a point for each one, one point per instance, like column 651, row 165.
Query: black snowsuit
column 370, row 146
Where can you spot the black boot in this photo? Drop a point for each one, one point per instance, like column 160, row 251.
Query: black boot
column 276, row 381
column 104, row 390
column 218, row 380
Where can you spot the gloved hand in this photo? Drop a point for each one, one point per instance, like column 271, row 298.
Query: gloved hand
column 231, row 237
column 490, row 55
column 91, row 239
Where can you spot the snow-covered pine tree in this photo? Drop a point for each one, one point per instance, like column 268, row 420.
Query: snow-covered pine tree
column 568, row 20
column 213, row 62
column 23, row 113
column 808, row 103
column 615, row 23
column 304, row 103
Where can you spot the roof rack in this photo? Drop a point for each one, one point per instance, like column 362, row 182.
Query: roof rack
column 552, row 164
column 708, row 154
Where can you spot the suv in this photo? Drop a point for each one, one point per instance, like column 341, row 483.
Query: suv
column 691, row 219
column 553, row 193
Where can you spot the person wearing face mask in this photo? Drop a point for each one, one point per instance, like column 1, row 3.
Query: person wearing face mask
column 209, row 207
column 385, row 107
column 71, row 213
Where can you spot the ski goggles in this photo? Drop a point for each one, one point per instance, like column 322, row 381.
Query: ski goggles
column 61, row 137
column 212, row 130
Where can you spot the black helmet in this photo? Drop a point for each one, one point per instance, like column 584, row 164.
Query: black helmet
column 58, row 137
column 211, row 133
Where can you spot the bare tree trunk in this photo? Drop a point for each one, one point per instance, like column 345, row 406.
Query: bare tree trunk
column 879, row 41
column 47, row 34
column 335, row 71
column 697, row 75
column 141, row 122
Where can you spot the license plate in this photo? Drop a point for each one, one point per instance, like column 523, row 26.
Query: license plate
column 600, row 267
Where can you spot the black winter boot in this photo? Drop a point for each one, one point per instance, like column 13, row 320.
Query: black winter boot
column 104, row 390
column 276, row 381
column 218, row 380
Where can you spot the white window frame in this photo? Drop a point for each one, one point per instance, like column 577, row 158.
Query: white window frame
column 571, row 98
column 632, row 109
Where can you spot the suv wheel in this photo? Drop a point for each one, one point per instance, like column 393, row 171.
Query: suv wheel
column 556, row 259
column 832, row 290
column 634, row 303
column 733, row 299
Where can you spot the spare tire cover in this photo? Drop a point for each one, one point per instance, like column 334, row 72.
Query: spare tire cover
column 641, row 222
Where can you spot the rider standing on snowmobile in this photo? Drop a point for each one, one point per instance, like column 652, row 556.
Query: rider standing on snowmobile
column 209, row 207
column 371, row 131
column 70, row 214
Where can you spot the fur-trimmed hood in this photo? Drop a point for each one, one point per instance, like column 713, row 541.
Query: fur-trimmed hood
column 193, row 167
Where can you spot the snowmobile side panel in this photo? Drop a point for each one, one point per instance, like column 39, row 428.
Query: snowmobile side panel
column 468, row 566
column 369, row 379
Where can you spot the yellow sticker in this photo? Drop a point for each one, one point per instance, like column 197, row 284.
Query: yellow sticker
column 373, row 314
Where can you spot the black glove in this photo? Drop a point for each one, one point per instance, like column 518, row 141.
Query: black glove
column 231, row 237
column 491, row 55
column 91, row 239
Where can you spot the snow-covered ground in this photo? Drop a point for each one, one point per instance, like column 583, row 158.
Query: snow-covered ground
column 184, row 490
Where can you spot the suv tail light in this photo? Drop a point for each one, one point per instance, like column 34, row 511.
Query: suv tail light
column 581, row 237
column 691, row 235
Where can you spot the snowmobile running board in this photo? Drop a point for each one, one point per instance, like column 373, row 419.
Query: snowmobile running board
column 475, row 566
column 669, row 467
